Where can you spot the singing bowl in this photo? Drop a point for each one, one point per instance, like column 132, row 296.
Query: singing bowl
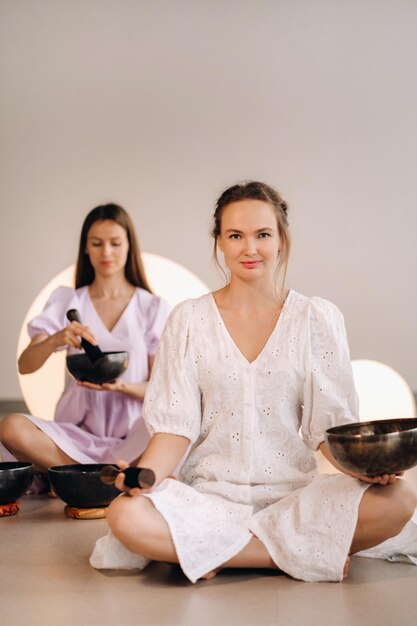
column 105, row 370
column 376, row 447
column 80, row 485
column 15, row 478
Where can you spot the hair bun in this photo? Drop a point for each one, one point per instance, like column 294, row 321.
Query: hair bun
column 284, row 208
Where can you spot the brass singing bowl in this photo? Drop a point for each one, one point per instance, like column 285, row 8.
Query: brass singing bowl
column 376, row 447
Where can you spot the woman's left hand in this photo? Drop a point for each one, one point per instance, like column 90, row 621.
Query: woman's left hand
column 135, row 390
column 116, row 385
column 384, row 479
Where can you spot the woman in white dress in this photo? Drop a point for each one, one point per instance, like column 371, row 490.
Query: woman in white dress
column 247, row 379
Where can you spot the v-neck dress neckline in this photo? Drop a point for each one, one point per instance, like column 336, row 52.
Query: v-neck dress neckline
column 236, row 348
column 102, row 426
column 97, row 315
column 254, row 429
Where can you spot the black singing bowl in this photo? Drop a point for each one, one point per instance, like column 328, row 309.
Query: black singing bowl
column 104, row 370
column 375, row 448
column 80, row 486
column 15, row 478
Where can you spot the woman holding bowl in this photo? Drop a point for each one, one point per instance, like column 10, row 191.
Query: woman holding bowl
column 250, row 377
column 119, row 312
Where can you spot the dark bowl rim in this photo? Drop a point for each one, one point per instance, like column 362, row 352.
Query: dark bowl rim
column 106, row 353
column 18, row 465
column 339, row 430
column 62, row 469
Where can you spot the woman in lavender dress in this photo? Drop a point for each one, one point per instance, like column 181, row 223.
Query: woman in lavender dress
column 93, row 423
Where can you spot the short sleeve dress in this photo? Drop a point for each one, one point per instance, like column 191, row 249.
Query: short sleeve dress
column 103, row 426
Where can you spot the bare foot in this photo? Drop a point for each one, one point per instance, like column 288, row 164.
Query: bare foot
column 211, row 574
column 346, row 567
column 40, row 484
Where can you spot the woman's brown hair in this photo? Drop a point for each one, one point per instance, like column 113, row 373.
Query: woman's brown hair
column 134, row 270
column 254, row 190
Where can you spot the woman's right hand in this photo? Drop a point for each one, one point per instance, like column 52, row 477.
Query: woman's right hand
column 135, row 491
column 42, row 346
column 162, row 454
column 70, row 336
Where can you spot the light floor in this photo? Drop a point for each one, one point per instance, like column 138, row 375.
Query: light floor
column 45, row 579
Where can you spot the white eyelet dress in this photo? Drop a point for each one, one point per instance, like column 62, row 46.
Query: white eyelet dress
column 253, row 429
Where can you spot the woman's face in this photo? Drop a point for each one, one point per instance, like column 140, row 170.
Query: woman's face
column 108, row 247
column 249, row 239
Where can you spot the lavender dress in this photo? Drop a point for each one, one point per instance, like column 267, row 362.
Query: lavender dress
column 102, row 426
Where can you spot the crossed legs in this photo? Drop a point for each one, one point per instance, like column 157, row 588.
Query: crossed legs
column 383, row 512
column 28, row 443
column 143, row 530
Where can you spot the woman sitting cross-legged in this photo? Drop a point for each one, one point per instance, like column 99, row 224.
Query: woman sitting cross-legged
column 249, row 378
column 93, row 423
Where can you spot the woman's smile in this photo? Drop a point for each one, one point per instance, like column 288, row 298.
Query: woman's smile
column 249, row 240
column 250, row 264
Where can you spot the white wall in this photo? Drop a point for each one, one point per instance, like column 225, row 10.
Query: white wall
column 158, row 105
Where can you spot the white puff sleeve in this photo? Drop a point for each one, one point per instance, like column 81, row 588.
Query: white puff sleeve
column 329, row 391
column 172, row 402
